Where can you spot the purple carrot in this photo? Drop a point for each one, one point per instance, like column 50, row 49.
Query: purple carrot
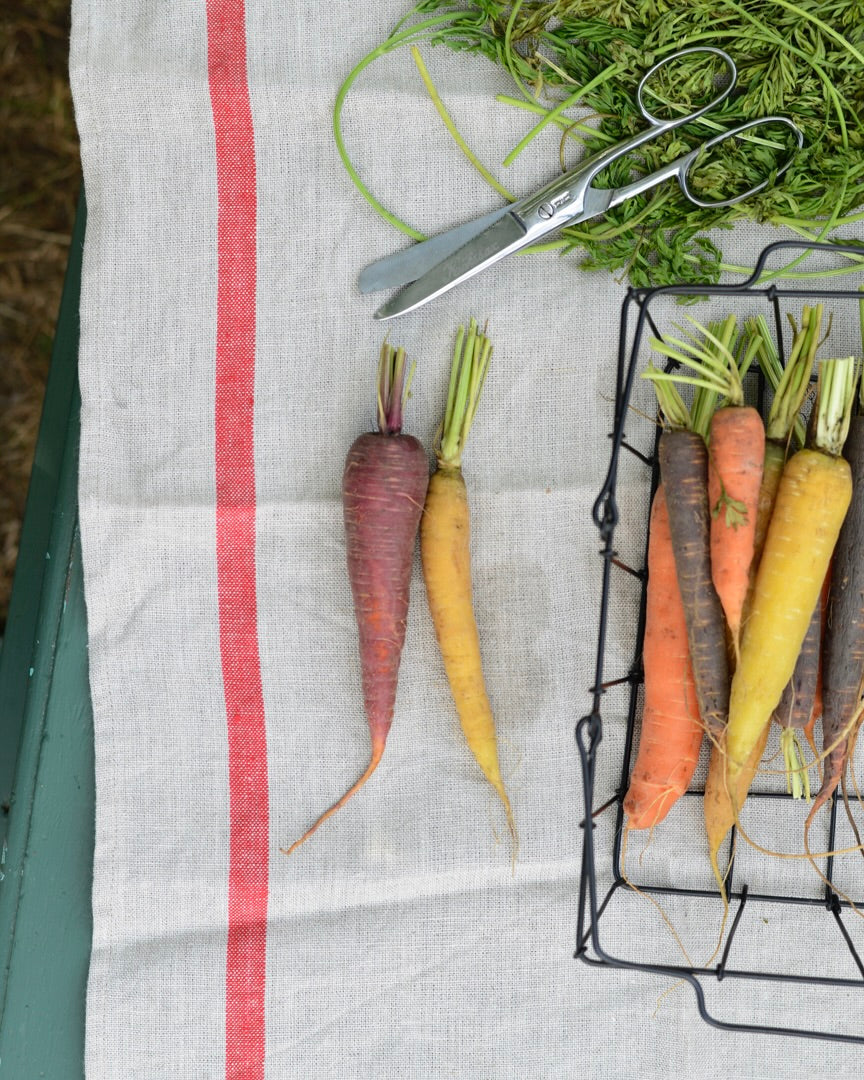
column 684, row 469
column 383, row 490
column 843, row 658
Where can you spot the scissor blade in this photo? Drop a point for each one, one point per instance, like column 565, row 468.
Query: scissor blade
column 410, row 264
column 499, row 239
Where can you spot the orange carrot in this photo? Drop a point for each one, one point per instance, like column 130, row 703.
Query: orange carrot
column 737, row 450
column 671, row 732
column 736, row 441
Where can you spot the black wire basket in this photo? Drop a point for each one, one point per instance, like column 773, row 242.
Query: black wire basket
column 618, row 910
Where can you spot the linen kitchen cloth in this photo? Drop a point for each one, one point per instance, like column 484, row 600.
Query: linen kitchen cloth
column 227, row 362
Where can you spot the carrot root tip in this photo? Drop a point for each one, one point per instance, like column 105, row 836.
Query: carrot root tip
column 377, row 753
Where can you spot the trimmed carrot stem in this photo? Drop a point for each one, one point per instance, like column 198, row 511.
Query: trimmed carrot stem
column 783, row 426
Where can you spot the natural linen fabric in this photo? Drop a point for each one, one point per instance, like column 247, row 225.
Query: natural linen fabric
column 399, row 943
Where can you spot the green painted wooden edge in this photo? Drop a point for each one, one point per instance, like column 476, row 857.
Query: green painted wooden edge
column 24, row 603
column 45, row 908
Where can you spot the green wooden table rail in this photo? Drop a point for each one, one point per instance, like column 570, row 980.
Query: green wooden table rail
column 46, row 745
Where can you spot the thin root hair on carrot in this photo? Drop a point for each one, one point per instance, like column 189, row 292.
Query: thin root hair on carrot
column 811, row 857
column 635, row 888
column 798, row 856
column 849, row 814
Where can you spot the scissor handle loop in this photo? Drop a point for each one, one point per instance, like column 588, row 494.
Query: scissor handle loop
column 684, row 171
column 656, row 121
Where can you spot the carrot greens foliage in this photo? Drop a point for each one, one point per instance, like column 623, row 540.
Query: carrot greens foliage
column 576, row 64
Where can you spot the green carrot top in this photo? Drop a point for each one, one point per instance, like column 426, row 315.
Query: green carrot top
column 716, row 373
column 790, row 385
column 471, row 356
column 393, row 389
column 589, row 54
column 837, row 379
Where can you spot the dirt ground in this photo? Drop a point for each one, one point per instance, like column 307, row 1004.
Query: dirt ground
column 39, row 185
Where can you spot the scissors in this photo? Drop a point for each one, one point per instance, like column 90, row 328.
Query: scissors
column 433, row 267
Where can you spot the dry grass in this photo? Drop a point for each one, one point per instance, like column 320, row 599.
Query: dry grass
column 39, row 183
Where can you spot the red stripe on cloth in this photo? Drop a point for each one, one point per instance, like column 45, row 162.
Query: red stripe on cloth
column 245, row 968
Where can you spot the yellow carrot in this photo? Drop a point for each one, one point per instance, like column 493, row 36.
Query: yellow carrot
column 445, row 556
column 812, row 500
column 717, row 802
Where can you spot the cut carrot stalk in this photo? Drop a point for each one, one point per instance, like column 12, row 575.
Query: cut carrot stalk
column 784, row 429
column 446, row 561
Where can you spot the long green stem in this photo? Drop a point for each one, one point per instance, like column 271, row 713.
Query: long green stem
column 385, row 47
column 553, row 114
column 451, row 127
column 421, row 31
column 565, row 125
column 802, row 223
